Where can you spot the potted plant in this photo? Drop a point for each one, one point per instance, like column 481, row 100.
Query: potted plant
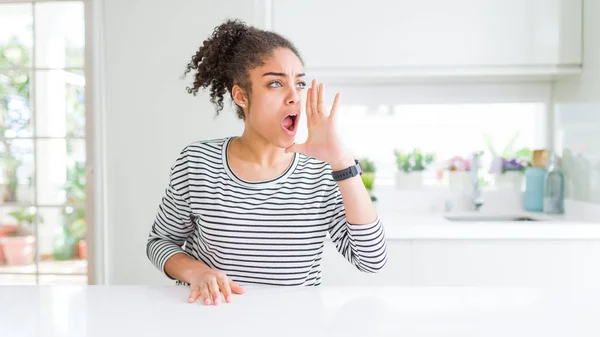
column 509, row 172
column 5, row 229
column 368, row 176
column 19, row 245
column 76, row 225
column 509, row 166
column 76, row 230
column 458, row 169
column 410, row 168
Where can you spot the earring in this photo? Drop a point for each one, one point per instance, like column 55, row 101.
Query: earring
column 243, row 105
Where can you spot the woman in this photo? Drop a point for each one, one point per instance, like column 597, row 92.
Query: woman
column 257, row 208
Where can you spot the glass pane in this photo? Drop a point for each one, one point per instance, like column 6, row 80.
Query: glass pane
column 448, row 132
column 17, row 239
column 63, row 279
column 59, row 34
column 16, row 35
column 61, row 171
column 17, row 279
column 62, row 245
column 15, row 104
column 16, row 171
column 60, row 103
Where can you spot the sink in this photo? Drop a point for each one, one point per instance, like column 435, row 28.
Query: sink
column 488, row 217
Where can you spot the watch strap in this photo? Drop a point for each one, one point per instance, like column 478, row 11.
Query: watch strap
column 348, row 172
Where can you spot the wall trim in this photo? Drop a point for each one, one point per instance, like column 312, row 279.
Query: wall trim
column 96, row 210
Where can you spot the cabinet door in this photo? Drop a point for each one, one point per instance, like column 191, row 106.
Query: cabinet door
column 431, row 33
column 336, row 270
column 505, row 263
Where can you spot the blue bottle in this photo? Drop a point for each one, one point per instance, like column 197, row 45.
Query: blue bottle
column 535, row 178
column 554, row 187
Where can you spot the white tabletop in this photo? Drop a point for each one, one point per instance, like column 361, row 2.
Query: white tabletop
column 323, row 311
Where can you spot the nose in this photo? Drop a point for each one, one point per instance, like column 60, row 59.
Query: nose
column 293, row 96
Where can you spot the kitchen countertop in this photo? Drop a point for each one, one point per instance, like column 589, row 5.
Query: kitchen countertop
column 406, row 226
column 301, row 311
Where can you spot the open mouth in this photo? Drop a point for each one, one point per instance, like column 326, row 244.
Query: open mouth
column 290, row 121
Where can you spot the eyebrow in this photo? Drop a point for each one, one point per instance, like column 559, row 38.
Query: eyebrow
column 281, row 74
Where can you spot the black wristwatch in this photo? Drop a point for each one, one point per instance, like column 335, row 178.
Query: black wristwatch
column 349, row 172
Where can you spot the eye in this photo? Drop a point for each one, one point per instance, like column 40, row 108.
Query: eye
column 277, row 84
column 301, row 85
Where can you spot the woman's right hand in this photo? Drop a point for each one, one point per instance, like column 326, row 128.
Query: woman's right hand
column 208, row 284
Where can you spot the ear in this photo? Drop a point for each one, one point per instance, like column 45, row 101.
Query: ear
column 239, row 96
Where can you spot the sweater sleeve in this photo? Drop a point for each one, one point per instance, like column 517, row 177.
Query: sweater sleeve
column 173, row 223
column 363, row 245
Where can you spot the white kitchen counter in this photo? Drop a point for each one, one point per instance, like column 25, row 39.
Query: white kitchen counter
column 323, row 311
column 404, row 226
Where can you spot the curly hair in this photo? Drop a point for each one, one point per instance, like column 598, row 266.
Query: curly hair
column 227, row 56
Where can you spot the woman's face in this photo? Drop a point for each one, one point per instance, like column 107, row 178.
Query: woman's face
column 276, row 98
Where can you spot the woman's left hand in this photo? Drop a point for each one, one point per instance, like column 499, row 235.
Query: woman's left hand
column 323, row 141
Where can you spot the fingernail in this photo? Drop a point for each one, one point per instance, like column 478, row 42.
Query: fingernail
column 191, row 300
column 207, row 301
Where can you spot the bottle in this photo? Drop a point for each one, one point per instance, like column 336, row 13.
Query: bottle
column 554, row 187
column 535, row 177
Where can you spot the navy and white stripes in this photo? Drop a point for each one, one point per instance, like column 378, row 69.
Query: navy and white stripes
column 270, row 232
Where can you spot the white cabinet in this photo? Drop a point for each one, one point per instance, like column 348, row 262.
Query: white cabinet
column 505, row 262
column 476, row 263
column 403, row 37
column 336, row 270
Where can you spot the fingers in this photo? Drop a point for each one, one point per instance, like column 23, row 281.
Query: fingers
column 308, row 105
column 321, row 99
column 213, row 287
column 334, row 108
column 237, row 289
column 210, row 289
column 194, row 294
column 224, row 286
column 314, row 93
column 315, row 102
column 204, row 294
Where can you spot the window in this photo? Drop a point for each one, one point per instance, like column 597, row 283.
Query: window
column 446, row 120
column 442, row 130
column 42, row 143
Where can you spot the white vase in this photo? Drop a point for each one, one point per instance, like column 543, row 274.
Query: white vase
column 459, row 180
column 409, row 181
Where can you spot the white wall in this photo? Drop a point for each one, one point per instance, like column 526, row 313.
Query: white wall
column 577, row 119
column 149, row 115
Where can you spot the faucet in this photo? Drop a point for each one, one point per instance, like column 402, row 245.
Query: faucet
column 476, row 195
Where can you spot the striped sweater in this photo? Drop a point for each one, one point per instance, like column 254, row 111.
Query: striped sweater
column 269, row 232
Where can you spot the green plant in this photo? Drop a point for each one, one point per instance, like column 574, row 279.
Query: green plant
column 509, row 152
column 11, row 165
column 14, row 109
column 413, row 161
column 75, row 223
column 75, row 184
column 25, row 218
column 368, row 176
column 367, row 165
column 76, row 226
column 510, row 159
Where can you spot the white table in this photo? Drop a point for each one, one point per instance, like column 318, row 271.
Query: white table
column 324, row 311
